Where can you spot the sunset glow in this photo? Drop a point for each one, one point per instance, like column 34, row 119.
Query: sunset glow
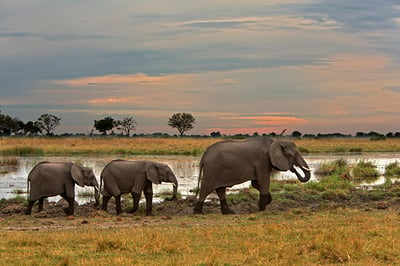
column 312, row 66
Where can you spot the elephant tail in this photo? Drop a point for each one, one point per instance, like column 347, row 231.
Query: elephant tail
column 199, row 178
column 28, row 182
column 101, row 183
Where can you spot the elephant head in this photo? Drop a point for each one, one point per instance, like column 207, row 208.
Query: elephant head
column 159, row 172
column 84, row 176
column 285, row 156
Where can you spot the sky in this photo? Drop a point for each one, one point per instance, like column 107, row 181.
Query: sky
column 237, row 66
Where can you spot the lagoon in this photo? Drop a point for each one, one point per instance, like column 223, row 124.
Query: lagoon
column 186, row 169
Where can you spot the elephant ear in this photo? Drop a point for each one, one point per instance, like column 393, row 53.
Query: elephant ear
column 278, row 159
column 77, row 175
column 152, row 174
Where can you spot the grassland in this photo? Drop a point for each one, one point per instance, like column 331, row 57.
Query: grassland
column 317, row 223
column 298, row 237
column 17, row 146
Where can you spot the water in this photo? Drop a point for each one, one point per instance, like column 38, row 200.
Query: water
column 186, row 169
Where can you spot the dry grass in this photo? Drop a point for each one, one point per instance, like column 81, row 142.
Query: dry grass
column 295, row 238
column 168, row 146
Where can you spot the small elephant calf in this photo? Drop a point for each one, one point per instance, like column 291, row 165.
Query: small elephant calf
column 51, row 179
column 121, row 176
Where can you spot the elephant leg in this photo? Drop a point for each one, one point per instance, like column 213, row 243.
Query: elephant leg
column 149, row 203
column 255, row 184
column 198, row 208
column 29, row 208
column 71, row 202
column 118, row 207
column 105, row 202
column 41, row 200
column 136, row 198
column 265, row 199
column 222, row 199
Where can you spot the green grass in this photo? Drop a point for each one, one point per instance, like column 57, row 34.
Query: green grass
column 392, row 170
column 339, row 167
column 23, row 151
column 365, row 171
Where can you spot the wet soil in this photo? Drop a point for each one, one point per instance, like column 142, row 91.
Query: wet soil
column 12, row 215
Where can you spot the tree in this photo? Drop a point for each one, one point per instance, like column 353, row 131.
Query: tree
column 31, row 128
column 182, row 122
column 105, row 124
column 296, row 134
column 215, row 134
column 126, row 125
column 48, row 123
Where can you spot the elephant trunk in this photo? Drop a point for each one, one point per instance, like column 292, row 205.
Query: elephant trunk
column 175, row 189
column 306, row 171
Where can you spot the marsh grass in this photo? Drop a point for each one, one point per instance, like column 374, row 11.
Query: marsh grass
column 22, row 151
column 9, row 161
column 293, row 238
column 20, row 146
column 392, row 170
column 365, row 171
column 339, row 167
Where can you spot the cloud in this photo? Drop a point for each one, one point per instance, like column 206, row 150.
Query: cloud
column 226, row 81
column 313, row 23
column 116, row 100
column 395, row 88
column 115, row 79
column 271, row 120
column 53, row 37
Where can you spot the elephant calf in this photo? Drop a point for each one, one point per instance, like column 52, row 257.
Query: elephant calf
column 120, row 177
column 51, row 179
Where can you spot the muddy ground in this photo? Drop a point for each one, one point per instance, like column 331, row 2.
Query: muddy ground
column 12, row 215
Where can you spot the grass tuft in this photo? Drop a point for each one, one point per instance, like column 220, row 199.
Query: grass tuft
column 392, row 170
column 365, row 171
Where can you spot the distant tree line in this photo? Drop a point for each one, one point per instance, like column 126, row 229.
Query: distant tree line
column 183, row 122
column 44, row 125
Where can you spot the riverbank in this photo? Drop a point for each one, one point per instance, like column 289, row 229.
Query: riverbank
column 39, row 146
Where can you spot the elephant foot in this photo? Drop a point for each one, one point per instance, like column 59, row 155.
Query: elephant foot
column 132, row 210
column 150, row 214
column 198, row 209
column 27, row 212
column 227, row 211
column 264, row 201
column 224, row 208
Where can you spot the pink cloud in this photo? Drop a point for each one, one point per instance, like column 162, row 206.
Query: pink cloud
column 115, row 79
column 116, row 100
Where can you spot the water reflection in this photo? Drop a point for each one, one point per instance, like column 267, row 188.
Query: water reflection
column 186, row 169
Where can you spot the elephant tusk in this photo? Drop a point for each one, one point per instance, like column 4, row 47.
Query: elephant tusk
column 305, row 168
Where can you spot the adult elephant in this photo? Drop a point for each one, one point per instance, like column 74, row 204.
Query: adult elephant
column 228, row 163
column 121, row 176
column 48, row 179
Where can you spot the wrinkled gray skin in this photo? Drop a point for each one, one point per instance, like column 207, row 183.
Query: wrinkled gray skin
column 48, row 179
column 120, row 177
column 228, row 163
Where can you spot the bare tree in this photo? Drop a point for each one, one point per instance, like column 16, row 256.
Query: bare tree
column 126, row 125
column 182, row 122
